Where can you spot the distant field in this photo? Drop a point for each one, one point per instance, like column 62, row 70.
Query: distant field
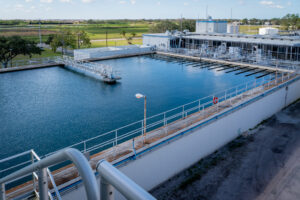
column 95, row 31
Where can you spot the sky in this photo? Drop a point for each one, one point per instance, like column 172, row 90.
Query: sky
column 145, row 9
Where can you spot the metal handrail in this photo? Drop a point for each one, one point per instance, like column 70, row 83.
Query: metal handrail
column 111, row 175
column 74, row 155
column 34, row 155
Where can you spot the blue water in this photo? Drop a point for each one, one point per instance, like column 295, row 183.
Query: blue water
column 48, row 109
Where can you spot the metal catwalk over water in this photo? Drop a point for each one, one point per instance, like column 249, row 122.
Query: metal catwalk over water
column 104, row 72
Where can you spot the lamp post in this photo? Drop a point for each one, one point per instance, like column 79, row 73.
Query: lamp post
column 10, row 51
column 138, row 96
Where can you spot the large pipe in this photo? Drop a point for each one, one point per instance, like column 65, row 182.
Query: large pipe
column 128, row 188
column 79, row 161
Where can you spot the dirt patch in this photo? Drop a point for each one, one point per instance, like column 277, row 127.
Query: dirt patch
column 243, row 168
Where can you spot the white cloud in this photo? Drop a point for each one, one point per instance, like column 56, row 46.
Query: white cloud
column 87, row 1
column 66, row 1
column 46, row 1
column 185, row 3
column 271, row 4
column 28, row 1
column 158, row 3
column 133, row 1
column 122, row 2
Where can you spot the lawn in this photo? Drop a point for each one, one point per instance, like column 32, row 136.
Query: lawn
column 115, row 43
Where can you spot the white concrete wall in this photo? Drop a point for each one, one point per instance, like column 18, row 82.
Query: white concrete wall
column 161, row 42
column 162, row 163
column 80, row 54
column 211, row 27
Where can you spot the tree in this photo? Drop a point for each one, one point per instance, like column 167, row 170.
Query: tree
column 291, row 21
column 189, row 25
column 10, row 47
column 50, row 39
column 245, row 21
column 163, row 26
column 129, row 39
column 83, row 39
column 64, row 39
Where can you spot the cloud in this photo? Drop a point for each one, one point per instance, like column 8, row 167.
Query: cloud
column 28, row 1
column 132, row 2
column 46, row 1
column 271, row 4
column 87, row 1
column 185, row 3
column 66, row 1
column 122, row 2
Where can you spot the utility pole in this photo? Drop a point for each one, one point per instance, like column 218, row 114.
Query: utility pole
column 106, row 36
column 181, row 23
column 40, row 34
column 78, row 40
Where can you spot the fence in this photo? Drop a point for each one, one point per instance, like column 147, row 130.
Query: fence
column 32, row 61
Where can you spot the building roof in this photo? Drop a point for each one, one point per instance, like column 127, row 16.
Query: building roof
column 213, row 21
column 258, row 39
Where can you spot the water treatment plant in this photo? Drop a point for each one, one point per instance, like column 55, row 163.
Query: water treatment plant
column 68, row 122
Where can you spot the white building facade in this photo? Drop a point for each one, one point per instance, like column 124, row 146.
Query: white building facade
column 211, row 26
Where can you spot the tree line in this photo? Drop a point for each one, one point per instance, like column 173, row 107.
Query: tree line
column 68, row 39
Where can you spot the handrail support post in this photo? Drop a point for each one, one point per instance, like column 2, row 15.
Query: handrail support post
column 106, row 190
column 43, row 184
column 2, row 192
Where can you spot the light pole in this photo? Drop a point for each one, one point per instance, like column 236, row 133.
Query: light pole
column 138, row 96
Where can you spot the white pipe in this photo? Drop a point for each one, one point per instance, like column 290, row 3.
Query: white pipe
column 79, row 161
column 128, row 188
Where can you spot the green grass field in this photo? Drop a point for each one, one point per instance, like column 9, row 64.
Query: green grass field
column 115, row 43
column 95, row 31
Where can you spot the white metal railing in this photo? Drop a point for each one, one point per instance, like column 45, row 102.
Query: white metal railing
column 32, row 61
column 41, row 166
column 96, row 68
column 109, row 176
column 245, row 57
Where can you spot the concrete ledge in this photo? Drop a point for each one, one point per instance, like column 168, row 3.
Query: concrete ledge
column 117, row 56
column 29, row 67
column 224, row 62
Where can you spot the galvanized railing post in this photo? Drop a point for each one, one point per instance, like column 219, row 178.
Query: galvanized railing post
column 165, row 122
column 33, row 177
column 43, row 184
column 116, row 137
column 182, row 112
column 106, row 190
column 2, row 192
column 84, row 146
column 199, row 105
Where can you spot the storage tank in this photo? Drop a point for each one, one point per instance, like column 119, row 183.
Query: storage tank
column 233, row 28
column 268, row 31
column 211, row 26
